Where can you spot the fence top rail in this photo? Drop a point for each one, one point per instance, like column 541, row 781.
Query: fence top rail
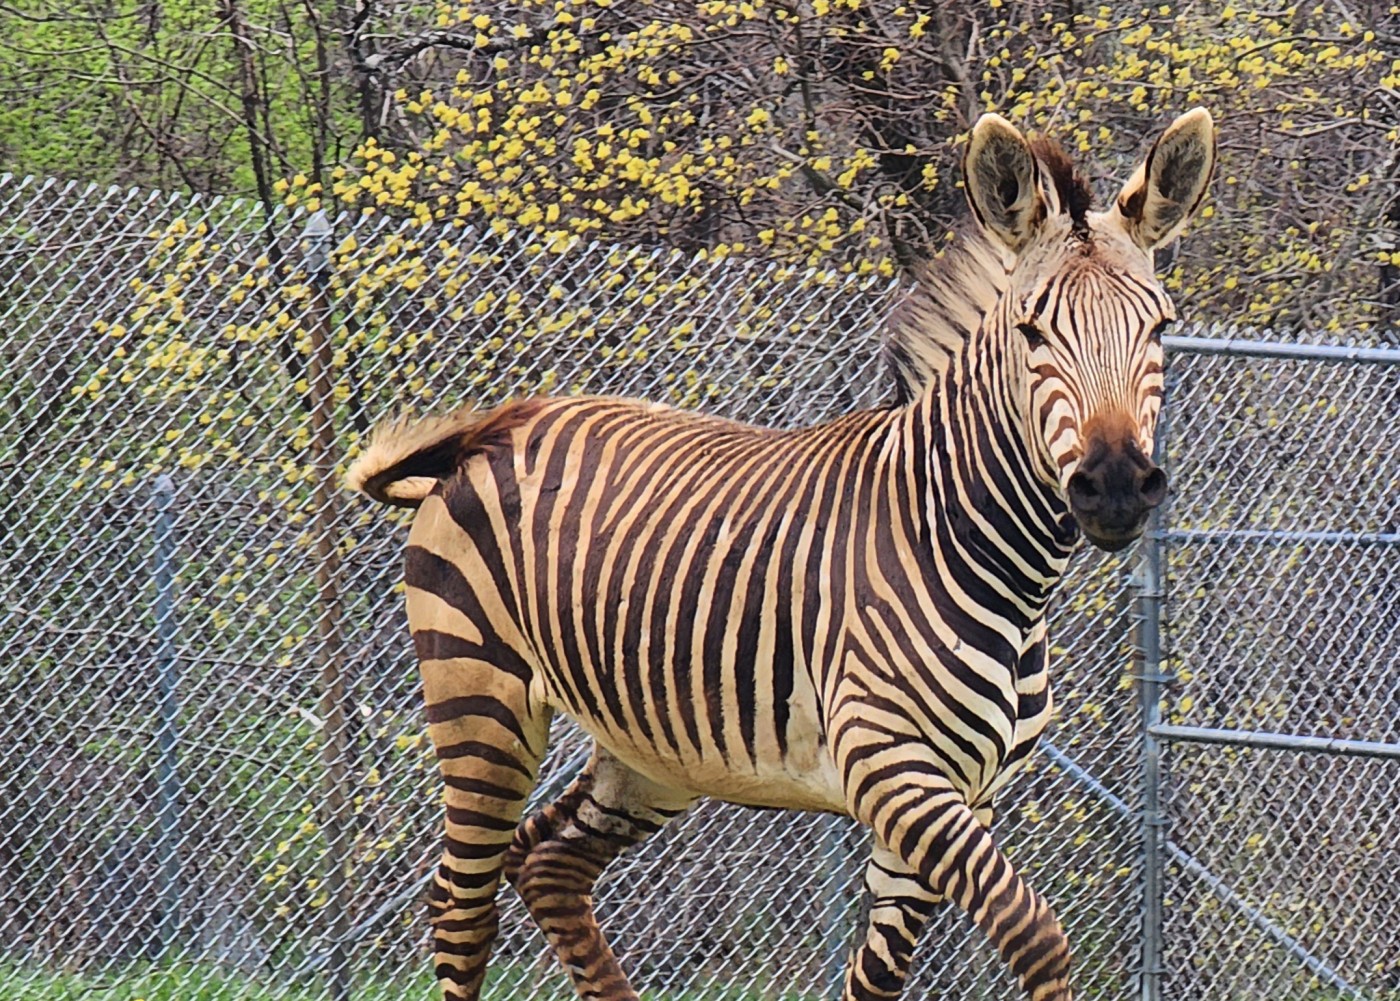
column 1279, row 536
column 1269, row 741
column 1240, row 348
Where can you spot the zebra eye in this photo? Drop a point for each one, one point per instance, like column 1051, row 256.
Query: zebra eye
column 1034, row 338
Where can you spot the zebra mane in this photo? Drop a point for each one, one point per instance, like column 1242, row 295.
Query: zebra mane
column 950, row 296
column 953, row 292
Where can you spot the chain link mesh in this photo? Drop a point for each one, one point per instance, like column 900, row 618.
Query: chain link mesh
column 168, row 826
column 1283, row 615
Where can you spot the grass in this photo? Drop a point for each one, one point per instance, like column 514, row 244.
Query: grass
column 177, row 983
column 192, row 982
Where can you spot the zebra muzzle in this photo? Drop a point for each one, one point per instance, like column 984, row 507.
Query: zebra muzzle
column 1113, row 491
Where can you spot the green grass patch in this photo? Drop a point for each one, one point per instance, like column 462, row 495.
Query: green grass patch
column 196, row 982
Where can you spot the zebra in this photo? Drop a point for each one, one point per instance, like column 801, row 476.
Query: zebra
column 849, row 617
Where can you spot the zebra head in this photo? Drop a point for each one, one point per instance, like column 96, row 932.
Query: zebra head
column 1081, row 314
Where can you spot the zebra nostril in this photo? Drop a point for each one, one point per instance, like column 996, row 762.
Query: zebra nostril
column 1153, row 489
column 1083, row 492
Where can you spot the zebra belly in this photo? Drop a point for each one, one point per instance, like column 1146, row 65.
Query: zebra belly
column 803, row 778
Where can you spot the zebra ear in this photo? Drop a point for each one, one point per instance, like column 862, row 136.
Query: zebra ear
column 1006, row 187
column 1167, row 188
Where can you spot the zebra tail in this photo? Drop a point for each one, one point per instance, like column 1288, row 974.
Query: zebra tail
column 407, row 457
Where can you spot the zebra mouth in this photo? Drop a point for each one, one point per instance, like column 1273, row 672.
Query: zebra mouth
column 1112, row 541
column 1113, row 492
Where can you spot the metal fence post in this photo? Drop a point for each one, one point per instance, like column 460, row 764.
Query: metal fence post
column 167, row 732
column 1149, row 604
column 335, row 737
column 1149, row 585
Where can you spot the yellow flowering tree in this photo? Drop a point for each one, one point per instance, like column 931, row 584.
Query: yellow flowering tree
column 827, row 133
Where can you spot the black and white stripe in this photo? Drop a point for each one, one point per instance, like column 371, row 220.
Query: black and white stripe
column 849, row 617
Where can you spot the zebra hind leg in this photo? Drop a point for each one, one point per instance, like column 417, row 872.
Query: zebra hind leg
column 489, row 747
column 559, row 852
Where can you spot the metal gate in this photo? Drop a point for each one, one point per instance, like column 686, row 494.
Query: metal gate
column 1270, row 686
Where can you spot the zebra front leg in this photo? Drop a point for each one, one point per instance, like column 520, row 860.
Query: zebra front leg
column 916, row 815
column 896, row 907
column 559, row 852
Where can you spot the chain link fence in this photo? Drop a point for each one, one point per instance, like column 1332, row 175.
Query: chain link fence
column 1282, row 675
column 216, row 783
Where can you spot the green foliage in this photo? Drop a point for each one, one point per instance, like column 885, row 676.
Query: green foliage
column 823, row 134
column 153, row 93
column 835, row 139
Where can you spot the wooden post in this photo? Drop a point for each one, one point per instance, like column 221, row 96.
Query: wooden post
column 336, row 820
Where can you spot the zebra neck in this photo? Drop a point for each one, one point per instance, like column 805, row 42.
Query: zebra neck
column 983, row 495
